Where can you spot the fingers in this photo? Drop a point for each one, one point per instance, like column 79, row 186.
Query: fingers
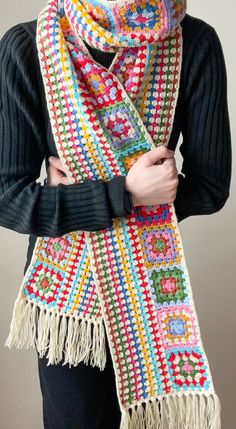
column 64, row 180
column 155, row 156
column 56, row 162
column 168, row 153
column 56, row 176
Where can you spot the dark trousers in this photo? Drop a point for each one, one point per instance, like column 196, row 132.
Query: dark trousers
column 81, row 397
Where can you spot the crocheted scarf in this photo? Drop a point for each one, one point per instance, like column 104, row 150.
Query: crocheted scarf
column 128, row 281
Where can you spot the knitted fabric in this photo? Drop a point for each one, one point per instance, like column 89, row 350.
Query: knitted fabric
column 130, row 280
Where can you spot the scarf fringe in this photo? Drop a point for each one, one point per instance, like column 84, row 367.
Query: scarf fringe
column 195, row 411
column 79, row 339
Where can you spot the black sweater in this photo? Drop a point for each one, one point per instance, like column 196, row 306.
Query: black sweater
column 26, row 140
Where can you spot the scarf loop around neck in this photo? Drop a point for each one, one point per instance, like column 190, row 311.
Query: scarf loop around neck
column 130, row 280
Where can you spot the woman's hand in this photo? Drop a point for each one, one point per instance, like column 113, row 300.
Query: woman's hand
column 152, row 184
column 56, row 172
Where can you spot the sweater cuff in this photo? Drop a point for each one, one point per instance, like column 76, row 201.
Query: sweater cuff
column 116, row 190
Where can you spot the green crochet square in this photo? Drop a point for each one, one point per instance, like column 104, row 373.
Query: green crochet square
column 168, row 285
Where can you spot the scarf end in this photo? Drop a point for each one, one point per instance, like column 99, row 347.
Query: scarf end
column 195, row 411
column 63, row 337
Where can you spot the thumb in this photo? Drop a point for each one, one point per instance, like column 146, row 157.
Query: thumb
column 154, row 155
column 56, row 162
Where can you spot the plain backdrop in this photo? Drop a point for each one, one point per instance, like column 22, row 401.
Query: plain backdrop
column 209, row 245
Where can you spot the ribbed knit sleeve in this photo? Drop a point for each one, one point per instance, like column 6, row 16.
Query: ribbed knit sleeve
column 201, row 117
column 204, row 186
column 26, row 205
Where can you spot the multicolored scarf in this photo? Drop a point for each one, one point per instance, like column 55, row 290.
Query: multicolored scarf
column 128, row 281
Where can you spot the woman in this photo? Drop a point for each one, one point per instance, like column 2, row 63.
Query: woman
column 76, row 397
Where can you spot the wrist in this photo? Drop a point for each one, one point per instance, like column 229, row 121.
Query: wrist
column 135, row 201
column 127, row 185
column 128, row 203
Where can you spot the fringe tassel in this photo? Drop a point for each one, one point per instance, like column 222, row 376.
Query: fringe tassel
column 193, row 411
column 47, row 331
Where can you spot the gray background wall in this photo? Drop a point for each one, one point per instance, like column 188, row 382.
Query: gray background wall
column 209, row 244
